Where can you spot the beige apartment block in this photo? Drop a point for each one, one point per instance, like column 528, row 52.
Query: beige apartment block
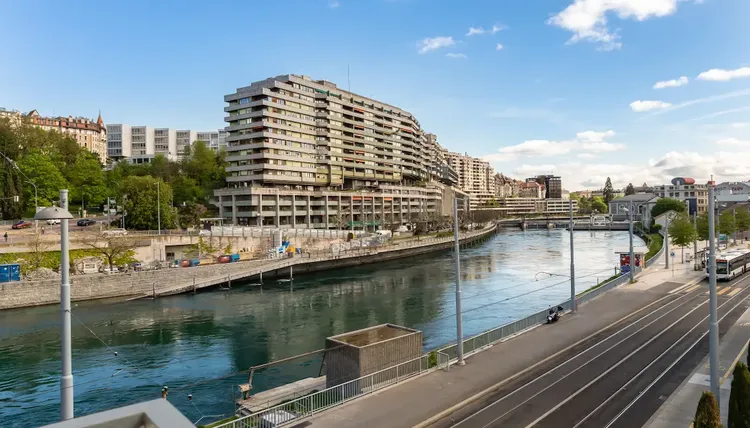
column 475, row 176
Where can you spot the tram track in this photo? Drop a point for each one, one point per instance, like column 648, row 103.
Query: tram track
column 559, row 392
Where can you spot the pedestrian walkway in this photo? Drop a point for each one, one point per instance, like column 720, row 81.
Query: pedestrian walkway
column 410, row 403
column 678, row 411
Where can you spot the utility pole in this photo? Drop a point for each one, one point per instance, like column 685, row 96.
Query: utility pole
column 666, row 241
column 713, row 325
column 158, row 204
column 459, row 326
column 573, row 307
column 632, row 256
column 695, row 242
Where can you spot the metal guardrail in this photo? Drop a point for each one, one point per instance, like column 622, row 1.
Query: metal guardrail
column 660, row 253
column 294, row 410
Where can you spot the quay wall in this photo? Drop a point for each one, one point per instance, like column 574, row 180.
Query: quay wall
column 179, row 280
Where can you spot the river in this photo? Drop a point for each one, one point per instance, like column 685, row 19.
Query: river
column 194, row 343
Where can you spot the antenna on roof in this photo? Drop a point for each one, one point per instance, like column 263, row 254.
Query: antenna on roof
column 348, row 78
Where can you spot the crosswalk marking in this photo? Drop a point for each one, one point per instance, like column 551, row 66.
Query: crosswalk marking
column 692, row 288
column 735, row 291
column 723, row 290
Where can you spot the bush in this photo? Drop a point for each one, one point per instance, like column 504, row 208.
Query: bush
column 655, row 228
column 432, row 359
column 654, row 245
column 707, row 413
column 739, row 398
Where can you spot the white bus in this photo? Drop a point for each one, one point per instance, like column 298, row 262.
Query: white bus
column 731, row 264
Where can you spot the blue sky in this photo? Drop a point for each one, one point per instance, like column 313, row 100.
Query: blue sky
column 568, row 91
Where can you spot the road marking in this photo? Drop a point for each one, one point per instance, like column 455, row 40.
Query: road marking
column 734, row 291
column 445, row 413
column 614, row 366
column 692, row 288
column 705, row 333
column 723, row 290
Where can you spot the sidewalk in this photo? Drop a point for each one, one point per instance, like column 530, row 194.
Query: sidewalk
column 678, row 411
column 412, row 402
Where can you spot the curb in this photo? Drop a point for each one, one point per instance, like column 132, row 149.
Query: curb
column 426, row 423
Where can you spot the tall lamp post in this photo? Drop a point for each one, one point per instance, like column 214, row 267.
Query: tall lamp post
column 631, row 263
column 459, row 325
column 713, row 325
column 572, row 264
column 66, row 380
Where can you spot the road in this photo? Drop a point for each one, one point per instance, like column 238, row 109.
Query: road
column 617, row 378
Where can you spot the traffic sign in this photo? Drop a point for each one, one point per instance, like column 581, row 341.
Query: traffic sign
column 671, row 253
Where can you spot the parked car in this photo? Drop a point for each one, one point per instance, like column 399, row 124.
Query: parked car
column 21, row 224
column 53, row 221
column 85, row 222
column 115, row 232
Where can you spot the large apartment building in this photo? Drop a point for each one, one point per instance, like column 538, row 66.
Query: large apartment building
column 305, row 153
column 89, row 134
column 685, row 189
column 475, row 177
column 140, row 144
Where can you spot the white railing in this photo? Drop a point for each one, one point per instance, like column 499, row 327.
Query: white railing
column 294, row 410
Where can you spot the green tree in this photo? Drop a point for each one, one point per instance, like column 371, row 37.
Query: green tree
column 707, row 413
column 739, row 398
column 682, row 232
column 630, row 190
column 584, row 205
column 141, row 203
column 727, row 224
column 702, row 227
column 609, row 191
column 47, row 177
column 599, row 205
column 190, row 215
column 742, row 220
column 114, row 250
column 667, row 204
column 86, row 180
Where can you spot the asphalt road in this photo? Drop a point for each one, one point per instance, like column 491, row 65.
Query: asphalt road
column 617, row 378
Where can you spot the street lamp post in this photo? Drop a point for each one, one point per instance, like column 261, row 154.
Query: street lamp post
column 66, row 380
column 632, row 256
column 36, row 196
column 572, row 264
column 713, row 325
column 459, row 326
column 666, row 241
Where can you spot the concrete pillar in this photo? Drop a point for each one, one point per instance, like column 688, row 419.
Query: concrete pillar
column 234, row 210
column 278, row 208
column 260, row 211
column 401, row 209
column 328, row 226
column 294, row 212
column 221, row 207
column 382, row 211
column 393, row 217
column 351, row 211
column 309, row 221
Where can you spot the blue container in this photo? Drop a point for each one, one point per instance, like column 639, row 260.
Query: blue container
column 195, row 262
column 10, row 272
column 233, row 258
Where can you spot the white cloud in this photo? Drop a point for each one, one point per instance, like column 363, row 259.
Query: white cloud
column 641, row 106
column 586, row 141
column 732, row 142
column 740, row 125
column 497, row 28
column 674, row 83
column 587, row 156
column 433, row 43
column 333, row 4
column 474, row 31
column 456, row 55
column 499, row 47
column 721, row 75
column 587, row 19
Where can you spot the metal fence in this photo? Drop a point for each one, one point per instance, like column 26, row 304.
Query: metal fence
column 294, row 410
column 658, row 255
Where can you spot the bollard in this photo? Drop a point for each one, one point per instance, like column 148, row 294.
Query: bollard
column 261, row 277
column 290, row 272
column 193, row 284
column 153, row 290
column 229, row 281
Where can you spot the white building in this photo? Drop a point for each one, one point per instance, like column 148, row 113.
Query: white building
column 737, row 191
column 475, row 177
column 140, row 144
column 215, row 140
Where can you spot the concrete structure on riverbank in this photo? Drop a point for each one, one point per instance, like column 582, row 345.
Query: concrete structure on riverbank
column 180, row 280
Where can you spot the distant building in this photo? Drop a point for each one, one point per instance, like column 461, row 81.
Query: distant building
column 475, row 176
column 506, row 187
column 140, row 144
column 521, row 206
column 641, row 203
column 89, row 134
column 685, row 189
column 552, row 185
column 732, row 192
column 531, row 189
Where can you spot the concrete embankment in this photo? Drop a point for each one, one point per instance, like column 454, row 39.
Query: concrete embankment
column 180, row 280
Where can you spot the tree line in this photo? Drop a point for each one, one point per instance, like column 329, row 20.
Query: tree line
column 53, row 161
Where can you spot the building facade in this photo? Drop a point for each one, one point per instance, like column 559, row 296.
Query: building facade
column 640, row 203
column 475, row 177
column 536, row 206
column 140, row 144
column 531, row 189
column 89, row 134
column 215, row 140
column 552, row 185
column 506, row 187
column 685, row 189
column 304, row 153
column 732, row 192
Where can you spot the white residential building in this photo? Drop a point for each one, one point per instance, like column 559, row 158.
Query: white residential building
column 475, row 176
column 737, row 191
column 215, row 140
column 140, row 144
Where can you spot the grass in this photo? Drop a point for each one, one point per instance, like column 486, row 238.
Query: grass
column 217, row 423
column 654, row 245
